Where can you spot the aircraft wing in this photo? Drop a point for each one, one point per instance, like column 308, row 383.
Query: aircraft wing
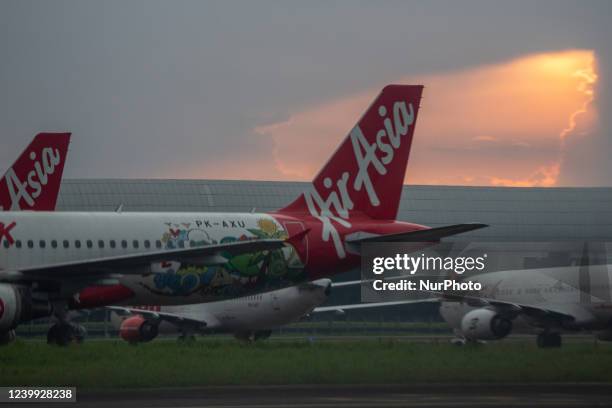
column 342, row 308
column 545, row 312
column 139, row 263
column 426, row 235
column 201, row 323
column 549, row 312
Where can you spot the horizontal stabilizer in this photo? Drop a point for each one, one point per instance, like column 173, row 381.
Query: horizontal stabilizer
column 342, row 308
column 426, row 235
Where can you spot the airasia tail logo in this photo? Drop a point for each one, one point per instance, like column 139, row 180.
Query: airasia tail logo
column 31, row 187
column 336, row 206
column 5, row 232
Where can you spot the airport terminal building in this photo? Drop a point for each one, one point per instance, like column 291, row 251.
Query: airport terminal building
column 526, row 214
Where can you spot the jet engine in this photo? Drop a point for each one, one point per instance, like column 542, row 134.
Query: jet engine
column 17, row 306
column 137, row 329
column 485, row 324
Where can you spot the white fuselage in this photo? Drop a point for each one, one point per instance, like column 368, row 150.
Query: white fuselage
column 42, row 239
column 583, row 293
column 261, row 311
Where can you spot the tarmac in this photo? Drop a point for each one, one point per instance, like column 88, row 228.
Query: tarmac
column 358, row 395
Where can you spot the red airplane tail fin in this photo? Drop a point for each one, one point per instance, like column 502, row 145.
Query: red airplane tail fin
column 366, row 173
column 33, row 181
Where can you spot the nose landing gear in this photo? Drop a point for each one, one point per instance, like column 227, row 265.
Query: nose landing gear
column 549, row 340
column 64, row 333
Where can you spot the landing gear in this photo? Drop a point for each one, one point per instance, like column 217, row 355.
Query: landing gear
column 7, row 337
column 186, row 338
column 458, row 341
column 64, row 333
column 244, row 337
column 262, row 335
column 549, row 340
column 250, row 337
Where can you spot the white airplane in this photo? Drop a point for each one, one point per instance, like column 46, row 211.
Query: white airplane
column 248, row 318
column 53, row 262
column 545, row 301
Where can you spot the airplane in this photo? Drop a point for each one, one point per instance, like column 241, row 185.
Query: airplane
column 51, row 263
column 32, row 183
column 545, row 301
column 248, row 318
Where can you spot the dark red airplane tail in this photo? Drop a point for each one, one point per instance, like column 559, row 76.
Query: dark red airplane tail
column 33, row 181
column 366, row 173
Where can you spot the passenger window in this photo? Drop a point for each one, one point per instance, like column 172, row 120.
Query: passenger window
column 181, row 244
column 124, row 244
column 112, row 243
column 147, row 244
column 135, row 244
column 66, row 244
column 77, row 244
column 6, row 243
column 89, row 244
column 42, row 243
column 54, row 244
column 100, row 244
column 18, row 243
column 30, row 244
column 158, row 244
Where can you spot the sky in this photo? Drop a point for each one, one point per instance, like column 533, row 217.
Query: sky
column 516, row 93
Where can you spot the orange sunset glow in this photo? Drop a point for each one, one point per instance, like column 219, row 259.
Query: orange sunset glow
column 504, row 124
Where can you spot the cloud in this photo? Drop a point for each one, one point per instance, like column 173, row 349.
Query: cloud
column 502, row 124
column 484, row 139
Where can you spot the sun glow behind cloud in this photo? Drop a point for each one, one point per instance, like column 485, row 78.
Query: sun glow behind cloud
column 503, row 124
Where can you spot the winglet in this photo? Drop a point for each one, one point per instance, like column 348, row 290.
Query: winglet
column 424, row 235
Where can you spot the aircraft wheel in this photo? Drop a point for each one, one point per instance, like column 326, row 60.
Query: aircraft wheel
column 262, row 335
column 458, row 341
column 186, row 338
column 7, row 337
column 52, row 334
column 244, row 337
column 62, row 334
column 549, row 340
column 79, row 333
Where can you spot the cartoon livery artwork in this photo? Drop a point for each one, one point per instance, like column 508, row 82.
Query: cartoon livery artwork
column 240, row 274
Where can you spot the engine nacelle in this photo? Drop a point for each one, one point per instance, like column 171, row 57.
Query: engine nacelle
column 485, row 324
column 137, row 329
column 10, row 307
column 17, row 306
